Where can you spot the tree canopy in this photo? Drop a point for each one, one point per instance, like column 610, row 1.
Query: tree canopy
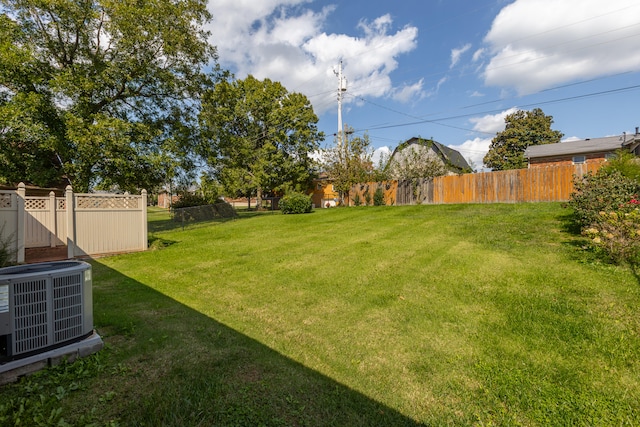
column 417, row 160
column 348, row 162
column 101, row 93
column 258, row 137
column 523, row 128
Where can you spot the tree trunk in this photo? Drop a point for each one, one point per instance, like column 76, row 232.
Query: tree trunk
column 259, row 199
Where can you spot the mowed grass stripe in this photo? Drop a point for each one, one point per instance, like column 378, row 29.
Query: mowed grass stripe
column 435, row 315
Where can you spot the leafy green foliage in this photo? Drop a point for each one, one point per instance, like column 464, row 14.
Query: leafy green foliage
column 603, row 191
column 39, row 398
column 189, row 199
column 626, row 163
column 606, row 209
column 378, row 197
column 416, row 161
column 258, row 137
column 523, row 129
column 295, row 203
column 349, row 162
column 616, row 233
column 7, row 253
column 100, row 93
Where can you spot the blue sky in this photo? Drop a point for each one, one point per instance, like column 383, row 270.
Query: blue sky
column 443, row 69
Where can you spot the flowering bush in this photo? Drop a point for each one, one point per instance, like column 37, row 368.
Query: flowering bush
column 606, row 208
column 603, row 191
column 617, row 233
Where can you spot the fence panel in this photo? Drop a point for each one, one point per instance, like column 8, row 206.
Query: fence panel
column 61, row 222
column 109, row 223
column 38, row 222
column 543, row 184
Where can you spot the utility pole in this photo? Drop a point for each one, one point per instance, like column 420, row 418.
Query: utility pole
column 342, row 87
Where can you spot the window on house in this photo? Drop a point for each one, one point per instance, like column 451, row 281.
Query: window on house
column 577, row 160
column 609, row 156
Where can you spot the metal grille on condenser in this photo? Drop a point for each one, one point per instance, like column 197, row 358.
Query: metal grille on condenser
column 67, row 307
column 31, row 331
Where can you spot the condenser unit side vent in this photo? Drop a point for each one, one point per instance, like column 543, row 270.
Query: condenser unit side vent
column 30, row 322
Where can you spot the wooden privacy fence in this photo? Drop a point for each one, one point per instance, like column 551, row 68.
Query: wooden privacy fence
column 88, row 224
column 542, row 184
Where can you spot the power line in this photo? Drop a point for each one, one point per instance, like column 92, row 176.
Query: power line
column 565, row 99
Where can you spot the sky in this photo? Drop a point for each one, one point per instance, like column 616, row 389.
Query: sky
column 449, row 70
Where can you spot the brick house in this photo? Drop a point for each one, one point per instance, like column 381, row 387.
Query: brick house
column 585, row 151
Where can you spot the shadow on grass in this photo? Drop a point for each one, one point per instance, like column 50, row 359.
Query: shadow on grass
column 181, row 367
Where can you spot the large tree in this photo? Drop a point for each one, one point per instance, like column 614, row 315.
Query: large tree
column 100, row 92
column 258, row 137
column 348, row 162
column 523, row 128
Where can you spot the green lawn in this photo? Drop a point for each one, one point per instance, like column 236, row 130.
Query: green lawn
column 417, row 315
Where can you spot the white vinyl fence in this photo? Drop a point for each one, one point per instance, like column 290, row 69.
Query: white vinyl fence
column 88, row 224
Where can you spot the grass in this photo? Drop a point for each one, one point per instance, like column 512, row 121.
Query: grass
column 417, row 315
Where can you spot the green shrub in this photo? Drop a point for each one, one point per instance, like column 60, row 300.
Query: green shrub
column 626, row 163
column 7, row 254
column 378, row 197
column 617, row 234
column 606, row 209
column 188, row 200
column 295, row 203
column 356, row 200
column 604, row 191
column 367, row 198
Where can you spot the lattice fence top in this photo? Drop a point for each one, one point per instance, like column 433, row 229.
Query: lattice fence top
column 6, row 201
column 61, row 204
column 107, row 202
column 34, row 204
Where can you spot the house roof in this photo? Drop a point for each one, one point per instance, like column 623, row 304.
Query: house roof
column 583, row 146
column 449, row 154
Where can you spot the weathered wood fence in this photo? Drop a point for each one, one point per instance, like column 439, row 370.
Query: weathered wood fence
column 88, row 224
column 543, row 184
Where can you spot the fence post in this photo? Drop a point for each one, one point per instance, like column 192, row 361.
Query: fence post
column 21, row 217
column 52, row 219
column 145, row 240
column 71, row 223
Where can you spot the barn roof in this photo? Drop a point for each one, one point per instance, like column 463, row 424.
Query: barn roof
column 453, row 157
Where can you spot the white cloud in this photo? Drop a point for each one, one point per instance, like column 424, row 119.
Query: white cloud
column 537, row 44
column 478, row 54
column 474, row 150
column 491, row 123
column 571, row 138
column 408, row 93
column 284, row 40
column 457, row 53
column 378, row 153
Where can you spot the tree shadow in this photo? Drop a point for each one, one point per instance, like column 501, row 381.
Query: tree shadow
column 182, row 367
